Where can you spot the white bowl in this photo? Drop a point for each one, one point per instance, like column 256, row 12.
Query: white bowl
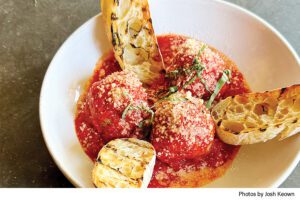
column 262, row 54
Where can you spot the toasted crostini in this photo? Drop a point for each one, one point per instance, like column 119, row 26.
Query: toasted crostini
column 124, row 163
column 258, row 117
column 129, row 28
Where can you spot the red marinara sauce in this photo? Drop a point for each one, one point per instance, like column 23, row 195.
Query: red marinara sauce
column 177, row 51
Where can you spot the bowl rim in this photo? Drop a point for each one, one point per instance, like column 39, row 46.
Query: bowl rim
column 59, row 163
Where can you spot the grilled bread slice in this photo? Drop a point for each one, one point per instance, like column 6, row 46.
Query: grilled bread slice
column 258, row 117
column 129, row 28
column 288, row 111
column 124, row 163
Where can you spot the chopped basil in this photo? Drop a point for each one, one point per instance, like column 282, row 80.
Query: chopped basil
column 205, row 85
column 197, row 68
column 221, row 82
column 189, row 82
column 173, row 89
column 173, row 74
column 177, row 99
column 126, row 110
column 197, row 65
column 202, row 49
column 130, row 107
column 149, row 111
column 141, row 124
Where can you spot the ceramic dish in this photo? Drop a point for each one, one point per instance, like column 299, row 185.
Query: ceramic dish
column 264, row 57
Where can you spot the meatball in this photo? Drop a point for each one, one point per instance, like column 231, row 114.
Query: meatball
column 182, row 128
column 117, row 105
column 187, row 50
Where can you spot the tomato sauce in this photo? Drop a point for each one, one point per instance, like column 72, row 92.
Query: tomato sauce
column 185, row 173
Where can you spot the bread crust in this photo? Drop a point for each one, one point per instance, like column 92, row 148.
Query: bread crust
column 129, row 28
column 258, row 117
column 124, row 163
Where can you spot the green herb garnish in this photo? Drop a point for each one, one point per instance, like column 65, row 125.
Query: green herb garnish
column 128, row 106
column 173, row 74
column 221, row 82
column 149, row 111
column 126, row 110
column 177, row 99
column 196, row 67
column 131, row 107
column 189, row 82
column 205, row 85
column 141, row 124
column 204, row 46
column 173, row 89
column 199, row 69
column 171, row 98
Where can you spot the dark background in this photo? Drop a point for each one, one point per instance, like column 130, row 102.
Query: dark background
column 30, row 34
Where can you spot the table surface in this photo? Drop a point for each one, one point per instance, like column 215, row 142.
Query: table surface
column 31, row 31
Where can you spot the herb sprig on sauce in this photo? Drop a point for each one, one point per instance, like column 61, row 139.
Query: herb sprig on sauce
column 226, row 76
